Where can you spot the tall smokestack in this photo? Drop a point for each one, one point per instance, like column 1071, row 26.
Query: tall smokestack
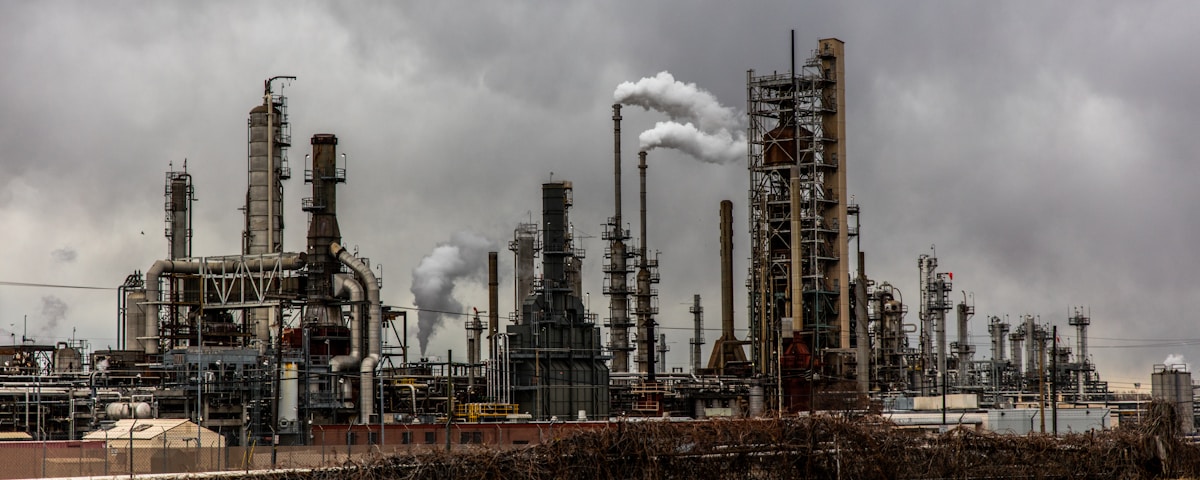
column 493, row 302
column 727, row 348
column 726, row 269
column 322, row 226
column 618, row 268
column 617, row 162
column 644, row 295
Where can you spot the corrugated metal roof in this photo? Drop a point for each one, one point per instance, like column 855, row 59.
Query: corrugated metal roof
column 15, row 436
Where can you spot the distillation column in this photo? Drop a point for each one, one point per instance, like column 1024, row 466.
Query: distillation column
column 998, row 330
column 963, row 348
column 268, row 137
column 1081, row 322
column 179, row 197
column 525, row 247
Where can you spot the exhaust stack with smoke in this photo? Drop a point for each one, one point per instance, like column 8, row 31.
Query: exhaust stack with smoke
column 700, row 126
column 462, row 258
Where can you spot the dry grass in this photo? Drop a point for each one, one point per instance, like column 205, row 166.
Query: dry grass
column 811, row 448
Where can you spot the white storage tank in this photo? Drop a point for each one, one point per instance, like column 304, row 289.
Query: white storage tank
column 124, row 410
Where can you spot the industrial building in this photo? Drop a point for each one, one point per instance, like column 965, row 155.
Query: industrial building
column 265, row 345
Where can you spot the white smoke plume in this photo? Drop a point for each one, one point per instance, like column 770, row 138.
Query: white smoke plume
column 54, row 310
column 680, row 101
column 464, row 257
column 718, row 147
column 700, row 126
column 1175, row 360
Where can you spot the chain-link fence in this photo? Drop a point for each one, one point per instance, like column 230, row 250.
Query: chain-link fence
column 33, row 459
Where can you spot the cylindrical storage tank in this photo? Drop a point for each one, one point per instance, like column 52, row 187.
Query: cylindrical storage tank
column 124, row 410
column 289, row 384
column 1175, row 385
column 700, row 406
column 135, row 319
column 67, row 359
column 756, row 401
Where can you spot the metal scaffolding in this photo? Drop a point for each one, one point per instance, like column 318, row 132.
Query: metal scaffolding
column 799, row 276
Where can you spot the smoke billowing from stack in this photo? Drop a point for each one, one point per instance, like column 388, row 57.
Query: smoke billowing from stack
column 700, row 126
column 464, row 257
column 54, row 310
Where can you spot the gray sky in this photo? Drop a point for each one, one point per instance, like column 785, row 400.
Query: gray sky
column 1047, row 151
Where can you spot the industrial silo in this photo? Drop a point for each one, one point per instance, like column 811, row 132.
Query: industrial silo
column 1173, row 383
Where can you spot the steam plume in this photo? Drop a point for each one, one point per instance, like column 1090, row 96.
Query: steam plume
column 718, row 147
column 1176, row 359
column 700, row 126
column 54, row 309
column 464, row 257
column 680, row 101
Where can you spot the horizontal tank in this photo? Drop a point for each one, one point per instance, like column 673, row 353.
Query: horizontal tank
column 124, row 410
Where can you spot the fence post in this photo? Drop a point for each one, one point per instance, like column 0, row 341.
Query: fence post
column 107, row 449
column 164, row 451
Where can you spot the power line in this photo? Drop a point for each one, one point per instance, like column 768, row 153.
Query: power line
column 50, row 285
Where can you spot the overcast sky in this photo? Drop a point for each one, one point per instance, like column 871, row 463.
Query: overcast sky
column 1049, row 152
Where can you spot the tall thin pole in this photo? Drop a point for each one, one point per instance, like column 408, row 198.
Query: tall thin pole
column 1054, row 380
column 1041, row 348
column 449, row 394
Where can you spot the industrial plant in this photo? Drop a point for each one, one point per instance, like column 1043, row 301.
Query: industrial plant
column 266, row 346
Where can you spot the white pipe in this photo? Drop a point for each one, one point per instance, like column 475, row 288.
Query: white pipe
column 343, row 285
column 286, row 261
column 366, row 369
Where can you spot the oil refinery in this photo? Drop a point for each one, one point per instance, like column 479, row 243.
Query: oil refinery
column 297, row 348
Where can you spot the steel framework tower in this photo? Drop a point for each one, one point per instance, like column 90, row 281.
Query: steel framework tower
column 799, row 298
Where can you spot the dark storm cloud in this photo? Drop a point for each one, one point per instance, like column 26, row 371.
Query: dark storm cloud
column 1047, row 150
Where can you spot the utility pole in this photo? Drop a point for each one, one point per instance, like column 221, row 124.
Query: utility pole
column 449, row 394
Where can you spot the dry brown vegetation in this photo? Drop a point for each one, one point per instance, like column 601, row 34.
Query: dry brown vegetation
column 812, row 448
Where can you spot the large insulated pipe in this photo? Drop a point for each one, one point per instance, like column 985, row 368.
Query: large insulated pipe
column 366, row 369
column 285, row 261
column 493, row 302
column 346, row 286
